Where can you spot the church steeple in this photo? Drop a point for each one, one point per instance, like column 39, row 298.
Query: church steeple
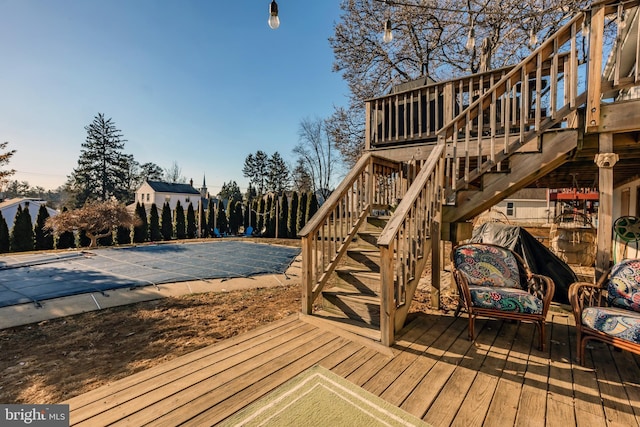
column 203, row 189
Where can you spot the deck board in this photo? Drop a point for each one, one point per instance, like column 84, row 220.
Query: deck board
column 433, row 372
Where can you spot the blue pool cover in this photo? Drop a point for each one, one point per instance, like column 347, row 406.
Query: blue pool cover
column 36, row 277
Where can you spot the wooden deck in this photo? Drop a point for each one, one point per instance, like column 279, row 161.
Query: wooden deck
column 433, row 372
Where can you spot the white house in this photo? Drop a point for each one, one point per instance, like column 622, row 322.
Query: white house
column 526, row 207
column 159, row 192
column 9, row 208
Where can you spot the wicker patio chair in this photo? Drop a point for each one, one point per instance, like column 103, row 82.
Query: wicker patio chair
column 609, row 310
column 494, row 281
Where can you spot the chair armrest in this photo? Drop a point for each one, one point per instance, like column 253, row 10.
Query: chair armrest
column 585, row 294
column 542, row 287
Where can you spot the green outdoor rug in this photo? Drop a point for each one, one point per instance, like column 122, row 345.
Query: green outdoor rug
column 318, row 397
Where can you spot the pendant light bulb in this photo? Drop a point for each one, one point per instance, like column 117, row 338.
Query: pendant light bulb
column 388, row 35
column 274, row 21
column 471, row 40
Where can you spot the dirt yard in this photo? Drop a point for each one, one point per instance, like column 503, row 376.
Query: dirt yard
column 55, row 360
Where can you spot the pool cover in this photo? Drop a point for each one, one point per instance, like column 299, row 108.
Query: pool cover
column 36, row 277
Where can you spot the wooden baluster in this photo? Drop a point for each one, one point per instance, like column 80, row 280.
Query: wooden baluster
column 538, row 101
column 554, row 80
column 492, row 122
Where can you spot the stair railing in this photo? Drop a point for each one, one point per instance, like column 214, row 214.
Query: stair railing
column 373, row 182
column 541, row 92
column 402, row 242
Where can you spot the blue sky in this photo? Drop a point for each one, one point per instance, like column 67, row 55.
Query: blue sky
column 203, row 83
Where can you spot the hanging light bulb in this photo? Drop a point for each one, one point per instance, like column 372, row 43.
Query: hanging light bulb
column 388, row 35
column 533, row 38
column 471, row 40
column 585, row 28
column 274, row 21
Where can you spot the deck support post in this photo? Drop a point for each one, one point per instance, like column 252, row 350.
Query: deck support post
column 605, row 160
column 594, row 73
column 307, row 275
column 387, row 300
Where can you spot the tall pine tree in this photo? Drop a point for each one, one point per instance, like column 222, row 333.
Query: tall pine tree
column 221, row 218
column 312, row 208
column 181, row 224
column 4, row 235
column 140, row 229
column 191, row 222
column 102, row 169
column 283, row 215
column 22, row 232
column 123, row 235
column 43, row 238
column 155, row 235
column 167, row 222
column 211, row 217
column 292, row 229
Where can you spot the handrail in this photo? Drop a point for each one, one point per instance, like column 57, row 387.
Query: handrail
column 402, row 242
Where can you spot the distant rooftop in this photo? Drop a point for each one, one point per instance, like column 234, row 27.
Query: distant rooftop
column 171, row 187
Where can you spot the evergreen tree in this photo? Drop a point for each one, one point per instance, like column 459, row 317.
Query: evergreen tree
column 278, row 176
column 253, row 216
column 221, row 219
column 22, row 233
column 123, row 235
column 312, row 208
column 155, row 235
column 292, row 229
column 283, row 217
column 181, row 225
column 211, row 215
column 260, row 223
column 83, row 240
column 167, row 222
column 192, row 228
column 239, row 214
column 230, row 191
column 256, row 169
column 140, row 229
column 103, row 169
column 233, row 218
column 302, row 212
column 105, row 240
column 269, row 217
column 4, row 235
column 204, row 229
column 66, row 239
column 43, row 238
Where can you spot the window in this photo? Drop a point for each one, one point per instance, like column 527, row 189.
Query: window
column 186, row 200
column 147, row 197
column 510, row 209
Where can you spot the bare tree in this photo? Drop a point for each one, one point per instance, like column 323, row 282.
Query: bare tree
column 97, row 219
column 174, row 174
column 315, row 152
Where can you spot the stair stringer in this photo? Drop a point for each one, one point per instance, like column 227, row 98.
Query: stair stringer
column 557, row 147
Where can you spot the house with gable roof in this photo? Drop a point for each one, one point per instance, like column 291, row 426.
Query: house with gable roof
column 159, row 192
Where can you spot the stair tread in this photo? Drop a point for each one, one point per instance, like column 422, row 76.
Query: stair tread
column 352, row 294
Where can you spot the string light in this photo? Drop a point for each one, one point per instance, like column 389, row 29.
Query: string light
column 471, row 40
column 274, row 21
column 388, row 35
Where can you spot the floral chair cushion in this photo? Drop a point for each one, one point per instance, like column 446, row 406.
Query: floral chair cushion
column 616, row 322
column 505, row 299
column 485, row 265
column 624, row 285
